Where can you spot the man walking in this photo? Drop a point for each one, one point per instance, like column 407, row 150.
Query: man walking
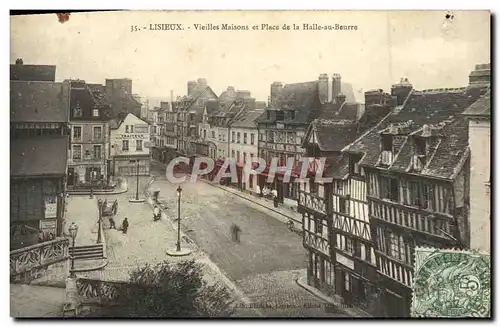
column 125, row 225
column 275, row 197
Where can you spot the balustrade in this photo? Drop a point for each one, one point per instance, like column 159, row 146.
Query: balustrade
column 38, row 256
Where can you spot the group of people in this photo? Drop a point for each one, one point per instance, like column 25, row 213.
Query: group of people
column 123, row 227
column 266, row 191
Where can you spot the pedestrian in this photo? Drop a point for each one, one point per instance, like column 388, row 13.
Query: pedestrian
column 125, row 225
column 112, row 223
column 275, row 198
column 156, row 213
column 235, row 233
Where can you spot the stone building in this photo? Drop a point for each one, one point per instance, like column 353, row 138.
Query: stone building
column 130, row 146
column 119, row 95
column 89, row 115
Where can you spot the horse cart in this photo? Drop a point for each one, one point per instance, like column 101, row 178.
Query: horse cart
column 108, row 210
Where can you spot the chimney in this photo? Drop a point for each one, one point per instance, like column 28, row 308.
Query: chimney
column 19, row 61
column 401, row 90
column 171, row 100
column 323, row 88
column 336, row 85
column 481, row 75
column 202, row 82
column 191, row 86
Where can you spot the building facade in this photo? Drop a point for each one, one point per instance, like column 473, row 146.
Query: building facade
column 168, row 133
column 89, row 122
column 130, row 146
column 283, row 125
column 335, row 213
column 416, row 169
column 479, row 117
column 190, row 110
column 39, row 147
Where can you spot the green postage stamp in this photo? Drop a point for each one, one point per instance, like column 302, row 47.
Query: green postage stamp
column 451, row 284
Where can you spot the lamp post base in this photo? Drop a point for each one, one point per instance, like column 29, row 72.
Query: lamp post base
column 134, row 200
column 181, row 253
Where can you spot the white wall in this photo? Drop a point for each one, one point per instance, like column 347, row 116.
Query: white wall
column 120, row 134
column 479, row 142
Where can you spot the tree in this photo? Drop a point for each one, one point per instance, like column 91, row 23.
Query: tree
column 167, row 290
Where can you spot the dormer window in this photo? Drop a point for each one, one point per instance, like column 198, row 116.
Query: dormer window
column 419, row 153
column 77, row 111
column 354, row 167
column 292, row 115
column 280, row 115
column 95, row 113
column 268, row 115
column 387, row 142
column 387, row 149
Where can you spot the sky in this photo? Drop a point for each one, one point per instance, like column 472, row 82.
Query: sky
column 424, row 46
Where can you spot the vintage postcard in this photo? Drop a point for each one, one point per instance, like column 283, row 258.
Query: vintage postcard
column 331, row 164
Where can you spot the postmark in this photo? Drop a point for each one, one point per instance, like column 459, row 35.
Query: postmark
column 451, row 284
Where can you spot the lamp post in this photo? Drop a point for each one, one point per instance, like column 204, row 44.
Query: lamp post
column 100, row 203
column 179, row 193
column 92, row 177
column 178, row 252
column 73, row 231
column 137, row 183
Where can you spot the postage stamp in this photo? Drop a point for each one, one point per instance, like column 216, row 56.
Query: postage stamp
column 451, row 284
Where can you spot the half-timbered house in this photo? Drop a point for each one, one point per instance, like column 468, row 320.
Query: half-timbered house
column 415, row 164
column 335, row 213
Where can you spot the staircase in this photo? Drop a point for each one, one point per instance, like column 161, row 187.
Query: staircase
column 87, row 252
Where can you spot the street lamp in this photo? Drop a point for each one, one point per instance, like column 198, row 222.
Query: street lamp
column 100, row 204
column 73, row 231
column 137, row 173
column 92, row 177
column 179, row 193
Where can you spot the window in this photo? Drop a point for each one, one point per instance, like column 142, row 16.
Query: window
column 318, row 226
column 415, row 196
column 97, row 133
column 381, row 240
column 204, row 133
column 292, row 115
column 252, row 138
column 138, row 145
column 244, row 157
column 343, row 206
column 349, row 246
column 420, row 146
column 125, row 145
column 77, row 132
column 245, row 138
column 237, row 156
column 354, row 167
column 232, row 154
column 280, row 115
column 427, row 196
column 77, row 111
column 238, row 136
column 95, row 113
column 97, row 152
column 126, row 129
column 213, row 134
column 270, row 136
column 398, row 249
column 387, row 142
column 347, row 281
column 77, row 152
column 132, row 129
column 232, row 137
column 389, row 188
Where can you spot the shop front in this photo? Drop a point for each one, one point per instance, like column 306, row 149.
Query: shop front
column 128, row 166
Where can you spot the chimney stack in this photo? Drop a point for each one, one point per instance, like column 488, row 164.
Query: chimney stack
column 19, row 61
column 481, row 75
column 336, row 85
column 401, row 90
column 323, row 88
column 191, row 85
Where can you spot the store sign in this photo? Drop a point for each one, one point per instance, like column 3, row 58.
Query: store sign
column 48, row 225
column 345, row 261
column 132, row 136
column 51, row 207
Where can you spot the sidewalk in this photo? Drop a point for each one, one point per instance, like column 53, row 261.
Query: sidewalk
column 336, row 301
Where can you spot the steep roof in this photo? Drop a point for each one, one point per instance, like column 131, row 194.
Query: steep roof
column 212, row 107
column 38, row 102
column 247, row 119
column 98, row 92
column 38, row 73
column 482, row 107
column 40, row 156
column 437, row 110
